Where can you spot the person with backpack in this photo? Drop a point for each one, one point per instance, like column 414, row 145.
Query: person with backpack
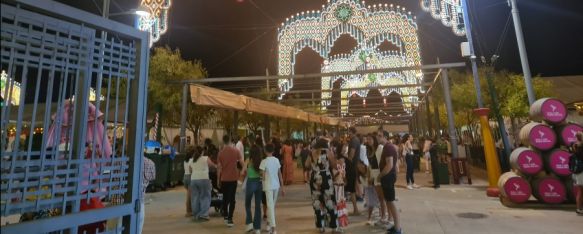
column 576, row 166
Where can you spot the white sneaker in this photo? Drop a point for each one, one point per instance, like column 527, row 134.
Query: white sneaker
column 409, row 187
column 416, row 186
column 249, row 227
column 257, row 231
column 267, row 228
column 370, row 222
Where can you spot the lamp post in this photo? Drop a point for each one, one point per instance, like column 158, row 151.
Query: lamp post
column 492, row 162
column 522, row 51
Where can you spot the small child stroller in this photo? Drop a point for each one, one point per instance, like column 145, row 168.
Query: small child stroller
column 216, row 195
column 216, row 199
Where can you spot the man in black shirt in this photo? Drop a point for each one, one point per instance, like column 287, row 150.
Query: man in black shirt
column 388, row 176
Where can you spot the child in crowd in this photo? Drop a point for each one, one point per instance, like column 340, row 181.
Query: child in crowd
column 339, row 181
column 272, row 181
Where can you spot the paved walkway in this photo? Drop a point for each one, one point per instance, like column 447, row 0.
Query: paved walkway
column 451, row 209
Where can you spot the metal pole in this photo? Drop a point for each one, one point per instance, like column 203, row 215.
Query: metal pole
column 449, row 109
column 436, row 115
column 428, row 112
column 501, row 125
column 235, row 125
column 472, row 54
column 522, row 51
column 183, row 118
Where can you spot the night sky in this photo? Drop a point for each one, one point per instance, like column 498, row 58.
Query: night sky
column 215, row 31
column 238, row 38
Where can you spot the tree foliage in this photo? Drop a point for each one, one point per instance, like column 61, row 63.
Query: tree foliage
column 509, row 87
column 167, row 67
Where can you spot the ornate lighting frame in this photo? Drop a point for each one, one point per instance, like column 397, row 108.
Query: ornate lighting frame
column 450, row 12
column 157, row 22
column 369, row 26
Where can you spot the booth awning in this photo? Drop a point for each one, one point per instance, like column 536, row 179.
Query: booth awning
column 207, row 96
column 265, row 107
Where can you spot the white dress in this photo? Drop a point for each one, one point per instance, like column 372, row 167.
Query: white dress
column 578, row 179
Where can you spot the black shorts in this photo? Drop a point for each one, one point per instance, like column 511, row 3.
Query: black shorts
column 388, row 185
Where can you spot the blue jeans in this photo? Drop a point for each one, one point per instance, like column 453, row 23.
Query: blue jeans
column 200, row 197
column 409, row 161
column 253, row 188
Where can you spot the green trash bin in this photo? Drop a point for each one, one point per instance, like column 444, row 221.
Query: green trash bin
column 177, row 173
column 163, row 165
column 443, row 171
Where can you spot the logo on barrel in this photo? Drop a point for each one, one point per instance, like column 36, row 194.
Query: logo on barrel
column 542, row 137
column 529, row 162
column 553, row 110
column 559, row 162
column 552, row 191
column 569, row 133
column 517, row 190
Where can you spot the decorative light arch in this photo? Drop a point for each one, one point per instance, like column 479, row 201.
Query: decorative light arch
column 10, row 88
column 369, row 26
column 450, row 12
column 157, row 22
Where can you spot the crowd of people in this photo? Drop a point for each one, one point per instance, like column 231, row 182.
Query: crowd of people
column 338, row 170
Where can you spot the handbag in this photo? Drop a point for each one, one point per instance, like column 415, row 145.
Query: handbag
column 239, row 166
column 575, row 164
column 244, row 185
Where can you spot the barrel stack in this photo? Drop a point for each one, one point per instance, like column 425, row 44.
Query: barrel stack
column 541, row 167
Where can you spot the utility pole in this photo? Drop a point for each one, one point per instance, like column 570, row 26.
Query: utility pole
column 183, row 118
column 494, row 97
column 492, row 162
column 522, row 51
column 472, row 53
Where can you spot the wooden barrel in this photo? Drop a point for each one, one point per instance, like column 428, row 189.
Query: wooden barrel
column 550, row 110
column 557, row 162
column 526, row 161
column 549, row 190
column 539, row 136
column 567, row 133
column 514, row 188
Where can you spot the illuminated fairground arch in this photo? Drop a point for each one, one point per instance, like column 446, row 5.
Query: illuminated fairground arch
column 369, row 26
column 366, row 59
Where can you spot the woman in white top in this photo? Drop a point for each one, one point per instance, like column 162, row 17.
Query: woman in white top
column 186, row 180
column 200, row 186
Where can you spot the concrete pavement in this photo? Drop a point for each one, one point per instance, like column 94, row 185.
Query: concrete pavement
column 450, row 209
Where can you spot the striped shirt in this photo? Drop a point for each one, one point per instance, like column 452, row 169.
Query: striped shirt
column 149, row 174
